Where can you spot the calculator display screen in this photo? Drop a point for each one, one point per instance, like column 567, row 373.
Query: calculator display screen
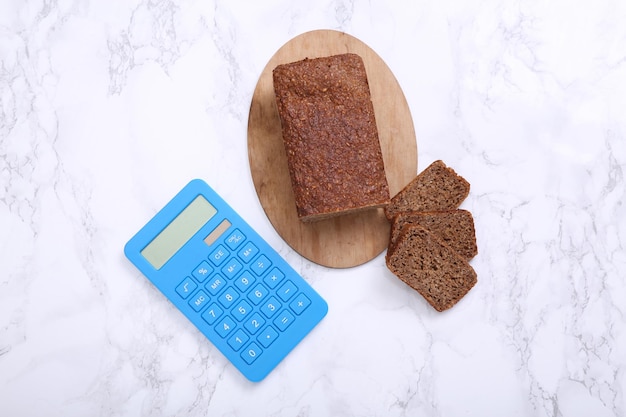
column 178, row 232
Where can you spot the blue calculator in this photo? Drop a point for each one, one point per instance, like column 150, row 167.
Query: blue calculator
column 237, row 290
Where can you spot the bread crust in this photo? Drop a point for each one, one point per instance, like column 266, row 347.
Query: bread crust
column 330, row 136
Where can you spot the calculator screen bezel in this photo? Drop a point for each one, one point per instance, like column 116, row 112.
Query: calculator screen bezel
column 178, row 232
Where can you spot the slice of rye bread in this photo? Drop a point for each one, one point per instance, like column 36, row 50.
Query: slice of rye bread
column 436, row 188
column 430, row 267
column 455, row 228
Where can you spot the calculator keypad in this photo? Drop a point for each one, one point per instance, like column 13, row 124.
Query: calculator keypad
column 244, row 297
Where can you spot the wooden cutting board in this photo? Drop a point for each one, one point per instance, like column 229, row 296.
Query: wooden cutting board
column 343, row 241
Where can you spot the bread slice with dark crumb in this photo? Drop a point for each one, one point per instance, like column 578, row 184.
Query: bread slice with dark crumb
column 430, row 267
column 436, row 188
column 455, row 228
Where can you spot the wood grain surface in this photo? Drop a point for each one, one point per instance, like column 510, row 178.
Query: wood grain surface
column 343, row 241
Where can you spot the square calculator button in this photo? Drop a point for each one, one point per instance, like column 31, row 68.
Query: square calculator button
column 254, row 323
column 232, row 267
column 238, row 339
column 215, row 285
column 300, row 303
column 273, row 278
column 260, row 265
column 284, row 320
column 270, row 307
column 235, row 239
column 267, row 336
column 244, row 281
column 198, row 300
column 186, row 287
column 202, row 271
column 225, row 326
column 251, row 353
column 228, row 297
column 257, row 294
column 219, row 255
column 287, row 290
column 212, row 313
column 241, row 310
column 248, row 252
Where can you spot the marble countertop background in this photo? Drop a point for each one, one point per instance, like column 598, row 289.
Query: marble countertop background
column 108, row 107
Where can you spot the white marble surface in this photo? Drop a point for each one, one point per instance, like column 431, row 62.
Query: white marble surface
column 108, row 107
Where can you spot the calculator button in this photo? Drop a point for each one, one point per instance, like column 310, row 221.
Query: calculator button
column 219, row 255
column 244, row 281
column 198, row 300
column 215, row 285
column 241, row 310
column 225, row 326
column 232, row 268
column 267, row 336
column 251, row 353
column 186, row 287
column 287, row 290
column 248, row 252
column 270, row 307
column 284, row 320
column 274, row 277
column 257, row 294
column 228, row 297
column 254, row 323
column 238, row 339
column 260, row 265
column 300, row 303
column 212, row 313
column 202, row 271
column 235, row 239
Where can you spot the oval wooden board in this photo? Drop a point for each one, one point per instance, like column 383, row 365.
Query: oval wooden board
column 343, row 241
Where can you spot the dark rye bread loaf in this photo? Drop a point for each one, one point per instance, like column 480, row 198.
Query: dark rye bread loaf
column 430, row 267
column 330, row 136
column 454, row 228
column 437, row 188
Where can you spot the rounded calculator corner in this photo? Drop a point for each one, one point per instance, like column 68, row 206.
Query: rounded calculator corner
column 197, row 182
column 324, row 309
column 256, row 378
column 129, row 250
